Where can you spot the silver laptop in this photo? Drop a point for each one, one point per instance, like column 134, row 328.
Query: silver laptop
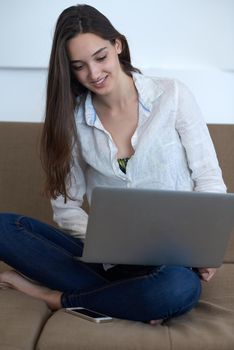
column 155, row 227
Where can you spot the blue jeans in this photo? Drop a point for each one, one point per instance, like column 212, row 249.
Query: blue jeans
column 141, row 293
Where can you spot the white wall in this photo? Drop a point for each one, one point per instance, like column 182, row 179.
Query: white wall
column 187, row 39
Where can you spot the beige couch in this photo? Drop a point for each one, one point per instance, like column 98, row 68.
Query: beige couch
column 26, row 323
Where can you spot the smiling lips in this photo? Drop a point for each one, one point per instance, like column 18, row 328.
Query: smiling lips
column 99, row 83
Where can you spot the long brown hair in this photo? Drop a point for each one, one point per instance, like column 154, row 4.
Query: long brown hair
column 59, row 131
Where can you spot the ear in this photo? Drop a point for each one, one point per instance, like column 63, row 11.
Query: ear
column 118, row 46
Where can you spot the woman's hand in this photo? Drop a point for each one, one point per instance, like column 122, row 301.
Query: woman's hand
column 206, row 273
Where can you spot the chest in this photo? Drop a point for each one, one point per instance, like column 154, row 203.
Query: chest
column 121, row 125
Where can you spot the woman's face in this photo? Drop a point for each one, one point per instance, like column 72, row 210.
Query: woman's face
column 95, row 62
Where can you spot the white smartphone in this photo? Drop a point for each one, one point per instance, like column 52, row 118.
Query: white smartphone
column 88, row 314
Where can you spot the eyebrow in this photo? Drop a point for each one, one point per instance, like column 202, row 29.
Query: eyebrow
column 95, row 53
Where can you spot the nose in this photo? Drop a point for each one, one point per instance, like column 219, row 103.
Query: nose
column 94, row 72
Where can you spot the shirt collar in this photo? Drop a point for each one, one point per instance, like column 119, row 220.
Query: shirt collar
column 148, row 91
column 90, row 113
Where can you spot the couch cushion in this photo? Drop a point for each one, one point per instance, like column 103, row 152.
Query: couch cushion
column 118, row 335
column 220, row 290
column 21, row 320
column 21, row 175
column 209, row 326
column 229, row 255
column 223, row 138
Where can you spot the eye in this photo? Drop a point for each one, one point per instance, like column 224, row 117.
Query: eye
column 77, row 67
column 102, row 58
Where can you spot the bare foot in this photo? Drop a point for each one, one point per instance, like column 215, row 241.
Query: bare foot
column 18, row 282
column 155, row 322
column 4, row 285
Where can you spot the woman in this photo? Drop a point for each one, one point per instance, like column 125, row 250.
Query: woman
column 107, row 124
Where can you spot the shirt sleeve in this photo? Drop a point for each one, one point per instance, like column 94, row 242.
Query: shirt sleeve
column 199, row 148
column 70, row 216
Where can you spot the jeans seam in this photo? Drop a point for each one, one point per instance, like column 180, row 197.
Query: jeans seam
column 123, row 281
column 58, row 248
column 60, row 232
column 184, row 308
column 45, row 240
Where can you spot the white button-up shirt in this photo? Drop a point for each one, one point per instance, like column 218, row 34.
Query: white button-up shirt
column 173, row 150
